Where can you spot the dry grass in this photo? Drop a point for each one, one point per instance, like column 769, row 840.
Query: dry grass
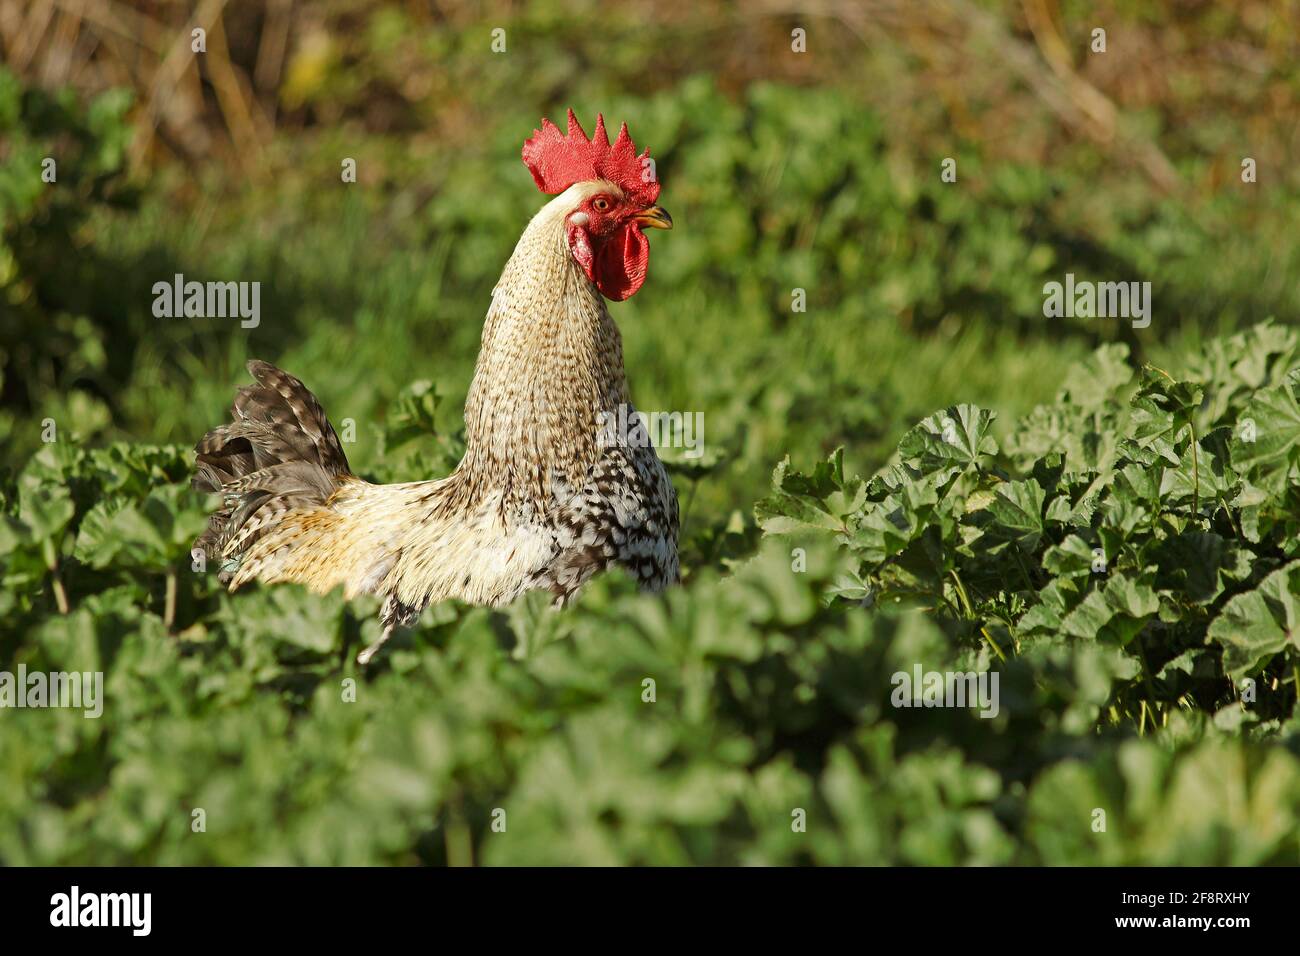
column 1015, row 75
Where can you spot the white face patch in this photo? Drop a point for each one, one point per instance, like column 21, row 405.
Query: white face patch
column 580, row 247
column 579, row 219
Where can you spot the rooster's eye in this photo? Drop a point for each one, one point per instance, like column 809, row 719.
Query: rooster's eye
column 601, row 204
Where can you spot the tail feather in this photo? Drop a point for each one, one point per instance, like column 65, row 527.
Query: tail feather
column 278, row 454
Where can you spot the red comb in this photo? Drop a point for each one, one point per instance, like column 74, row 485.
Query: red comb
column 557, row 161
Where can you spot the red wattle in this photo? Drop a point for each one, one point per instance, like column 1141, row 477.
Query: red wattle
column 622, row 262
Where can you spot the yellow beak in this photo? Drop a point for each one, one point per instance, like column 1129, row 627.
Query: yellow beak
column 656, row 217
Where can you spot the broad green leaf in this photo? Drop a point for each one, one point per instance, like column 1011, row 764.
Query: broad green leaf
column 1254, row 626
column 956, row 437
column 1266, row 443
column 821, row 501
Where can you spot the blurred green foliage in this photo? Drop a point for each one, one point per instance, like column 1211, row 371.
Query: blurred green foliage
column 60, row 163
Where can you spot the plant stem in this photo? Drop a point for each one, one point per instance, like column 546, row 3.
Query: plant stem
column 1146, row 680
column 60, row 595
column 169, row 600
column 1228, row 514
column 961, row 593
column 993, row 644
column 51, row 549
column 457, row 841
column 970, row 615
column 690, row 499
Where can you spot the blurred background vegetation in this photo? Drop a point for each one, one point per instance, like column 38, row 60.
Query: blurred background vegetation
column 817, row 170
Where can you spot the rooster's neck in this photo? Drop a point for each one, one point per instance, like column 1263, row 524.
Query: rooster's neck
column 550, row 365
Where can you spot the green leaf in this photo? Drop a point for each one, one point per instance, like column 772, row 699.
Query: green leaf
column 819, row 502
column 1016, row 514
column 1073, row 557
column 1266, row 442
column 46, row 510
column 1098, row 378
column 957, row 437
column 1254, row 626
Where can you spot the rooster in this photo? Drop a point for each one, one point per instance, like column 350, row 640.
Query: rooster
column 545, row 495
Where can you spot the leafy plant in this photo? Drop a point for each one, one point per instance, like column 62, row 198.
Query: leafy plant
column 1123, row 595
column 59, row 161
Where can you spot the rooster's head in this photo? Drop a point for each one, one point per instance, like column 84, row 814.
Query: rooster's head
column 613, row 192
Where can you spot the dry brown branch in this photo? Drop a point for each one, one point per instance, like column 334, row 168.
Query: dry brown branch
column 1099, row 113
column 30, row 35
column 980, row 36
column 237, row 108
column 178, row 59
column 271, row 49
column 120, row 19
column 1003, row 74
